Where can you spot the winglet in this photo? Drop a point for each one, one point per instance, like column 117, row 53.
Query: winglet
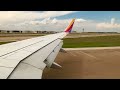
column 69, row 28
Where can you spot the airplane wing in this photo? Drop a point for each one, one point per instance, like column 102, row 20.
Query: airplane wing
column 27, row 59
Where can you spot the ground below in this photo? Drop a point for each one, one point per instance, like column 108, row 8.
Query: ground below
column 86, row 64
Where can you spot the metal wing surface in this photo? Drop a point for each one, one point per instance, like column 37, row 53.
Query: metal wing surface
column 27, row 59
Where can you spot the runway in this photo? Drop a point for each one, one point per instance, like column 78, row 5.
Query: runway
column 86, row 64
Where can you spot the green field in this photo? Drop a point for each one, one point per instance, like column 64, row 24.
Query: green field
column 21, row 35
column 100, row 41
column 4, row 42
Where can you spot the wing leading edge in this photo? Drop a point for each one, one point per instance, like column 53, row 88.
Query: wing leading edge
column 28, row 58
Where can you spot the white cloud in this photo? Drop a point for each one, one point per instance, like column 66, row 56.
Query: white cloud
column 45, row 24
column 29, row 20
column 47, row 20
column 80, row 20
column 108, row 25
column 54, row 21
column 55, row 13
column 111, row 25
column 7, row 17
column 112, row 21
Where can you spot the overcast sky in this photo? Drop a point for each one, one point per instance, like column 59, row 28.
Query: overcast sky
column 58, row 20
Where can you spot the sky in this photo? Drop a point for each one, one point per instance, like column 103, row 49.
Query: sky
column 91, row 21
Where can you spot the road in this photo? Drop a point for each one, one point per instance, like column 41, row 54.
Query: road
column 86, row 64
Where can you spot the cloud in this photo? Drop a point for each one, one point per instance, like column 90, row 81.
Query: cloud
column 7, row 17
column 80, row 20
column 108, row 25
column 44, row 25
column 112, row 21
column 46, row 21
column 29, row 20
column 55, row 13
column 54, row 21
column 49, row 20
column 111, row 25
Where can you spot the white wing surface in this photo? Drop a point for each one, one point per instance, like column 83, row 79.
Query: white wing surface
column 26, row 59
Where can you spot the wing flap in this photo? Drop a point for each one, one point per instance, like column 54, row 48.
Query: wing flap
column 5, row 72
column 38, row 57
column 34, row 57
column 26, row 71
